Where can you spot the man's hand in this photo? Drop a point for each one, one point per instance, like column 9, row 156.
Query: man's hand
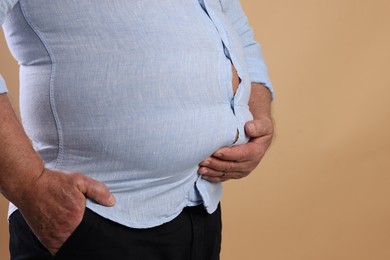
column 54, row 205
column 239, row 161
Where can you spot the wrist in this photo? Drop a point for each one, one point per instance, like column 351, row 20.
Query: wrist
column 260, row 101
column 20, row 182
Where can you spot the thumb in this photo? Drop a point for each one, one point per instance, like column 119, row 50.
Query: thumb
column 251, row 129
column 96, row 191
column 259, row 127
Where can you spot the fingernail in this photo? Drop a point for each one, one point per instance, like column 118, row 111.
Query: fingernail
column 202, row 171
column 205, row 163
column 252, row 127
column 111, row 199
column 218, row 154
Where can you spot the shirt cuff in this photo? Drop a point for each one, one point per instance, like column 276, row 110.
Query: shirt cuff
column 261, row 76
column 3, row 87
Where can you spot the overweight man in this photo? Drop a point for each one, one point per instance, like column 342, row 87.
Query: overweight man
column 134, row 112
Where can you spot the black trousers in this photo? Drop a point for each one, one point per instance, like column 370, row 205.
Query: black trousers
column 193, row 235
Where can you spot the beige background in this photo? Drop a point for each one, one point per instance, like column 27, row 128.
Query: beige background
column 322, row 192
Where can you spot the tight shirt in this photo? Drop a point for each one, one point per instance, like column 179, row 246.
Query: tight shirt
column 134, row 94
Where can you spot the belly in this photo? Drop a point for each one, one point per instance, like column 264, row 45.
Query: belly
column 142, row 93
column 160, row 117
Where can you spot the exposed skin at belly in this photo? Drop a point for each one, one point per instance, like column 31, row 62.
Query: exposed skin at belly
column 235, row 79
column 235, row 82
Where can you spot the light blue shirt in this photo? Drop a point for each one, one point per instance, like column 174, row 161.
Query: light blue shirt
column 134, row 94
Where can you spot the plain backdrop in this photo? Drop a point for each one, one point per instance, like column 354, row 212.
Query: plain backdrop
column 322, row 191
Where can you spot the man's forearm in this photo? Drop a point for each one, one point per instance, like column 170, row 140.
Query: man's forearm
column 260, row 101
column 20, row 165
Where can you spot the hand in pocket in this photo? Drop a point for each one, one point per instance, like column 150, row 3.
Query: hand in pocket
column 55, row 205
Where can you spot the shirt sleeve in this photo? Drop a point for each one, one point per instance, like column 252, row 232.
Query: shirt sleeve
column 258, row 71
column 5, row 7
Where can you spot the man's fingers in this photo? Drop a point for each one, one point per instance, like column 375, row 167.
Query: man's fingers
column 239, row 153
column 210, row 174
column 95, row 190
column 220, row 176
column 216, row 166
